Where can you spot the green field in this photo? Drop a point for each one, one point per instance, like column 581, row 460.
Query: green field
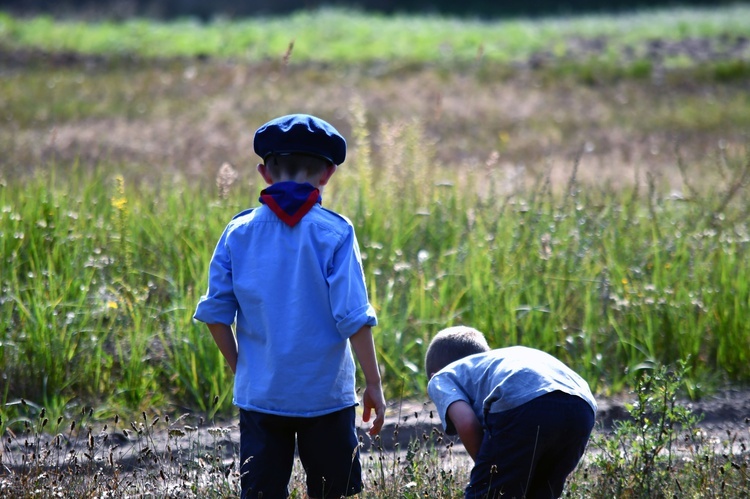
column 604, row 222
column 353, row 37
column 522, row 177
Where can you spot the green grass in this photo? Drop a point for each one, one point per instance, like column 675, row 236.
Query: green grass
column 354, row 37
column 100, row 278
column 106, row 243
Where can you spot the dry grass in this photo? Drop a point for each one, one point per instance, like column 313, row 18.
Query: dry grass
column 187, row 119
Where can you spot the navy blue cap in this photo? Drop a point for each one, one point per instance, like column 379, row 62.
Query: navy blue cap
column 300, row 134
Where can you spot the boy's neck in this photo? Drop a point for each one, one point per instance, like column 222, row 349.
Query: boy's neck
column 301, row 178
column 317, row 180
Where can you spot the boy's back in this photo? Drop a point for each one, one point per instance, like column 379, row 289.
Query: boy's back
column 523, row 416
column 288, row 275
column 296, row 305
column 503, row 379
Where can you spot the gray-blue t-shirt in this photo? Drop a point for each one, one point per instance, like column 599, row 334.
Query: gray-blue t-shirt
column 503, row 379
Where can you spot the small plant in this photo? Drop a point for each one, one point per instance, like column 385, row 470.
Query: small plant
column 659, row 450
column 639, row 457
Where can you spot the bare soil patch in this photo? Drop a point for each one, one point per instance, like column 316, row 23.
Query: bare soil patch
column 727, row 411
column 725, row 416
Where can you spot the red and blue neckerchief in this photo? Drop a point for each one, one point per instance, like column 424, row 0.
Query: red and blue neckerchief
column 290, row 201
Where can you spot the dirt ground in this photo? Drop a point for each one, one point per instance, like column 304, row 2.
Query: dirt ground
column 725, row 416
column 727, row 412
column 723, row 413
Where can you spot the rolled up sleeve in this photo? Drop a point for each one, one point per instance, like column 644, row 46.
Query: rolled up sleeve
column 348, row 292
column 219, row 304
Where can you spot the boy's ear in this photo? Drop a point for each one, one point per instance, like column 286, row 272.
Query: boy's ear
column 265, row 173
column 328, row 173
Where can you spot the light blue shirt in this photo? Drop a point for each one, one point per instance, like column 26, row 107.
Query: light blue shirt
column 503, row 379
column 296, row 295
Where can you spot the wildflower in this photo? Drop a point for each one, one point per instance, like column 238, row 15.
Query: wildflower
column 423, row 256
column 225, row 178
column 545, row 252
column 120, row 203
column 119, row 200
column 401, row 266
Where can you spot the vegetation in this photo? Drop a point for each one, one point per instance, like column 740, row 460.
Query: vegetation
column 101, row 277
column 595, row 212
column 171, row 9
column 658, row 452
column 355, row 37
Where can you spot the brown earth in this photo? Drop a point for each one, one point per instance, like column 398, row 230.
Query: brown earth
column 727, row 412
column 725, row 417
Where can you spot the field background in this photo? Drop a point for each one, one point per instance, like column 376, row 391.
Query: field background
column 574, row 184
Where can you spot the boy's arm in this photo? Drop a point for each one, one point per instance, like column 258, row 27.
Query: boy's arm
column 467, row 426
column 373, row 398
column 225, row 340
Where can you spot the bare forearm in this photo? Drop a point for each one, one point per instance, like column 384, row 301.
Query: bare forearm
column 372, row 398
column 364, row 349
column 225, row 340
column 467, row 426
column 472, row 440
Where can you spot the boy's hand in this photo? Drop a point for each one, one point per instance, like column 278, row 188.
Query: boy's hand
column 373, row 399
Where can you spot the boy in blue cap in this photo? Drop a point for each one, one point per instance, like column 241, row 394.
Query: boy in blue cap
column 289, row 275
column 523, row 416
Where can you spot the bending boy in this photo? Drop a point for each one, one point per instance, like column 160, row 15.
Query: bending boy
column 523, row 416
column 289, row 275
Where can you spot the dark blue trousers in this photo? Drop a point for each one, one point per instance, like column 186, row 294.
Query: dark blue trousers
column 327, row 445
column 528, row 452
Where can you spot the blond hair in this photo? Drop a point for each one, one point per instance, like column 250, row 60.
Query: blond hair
column 452, row 344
